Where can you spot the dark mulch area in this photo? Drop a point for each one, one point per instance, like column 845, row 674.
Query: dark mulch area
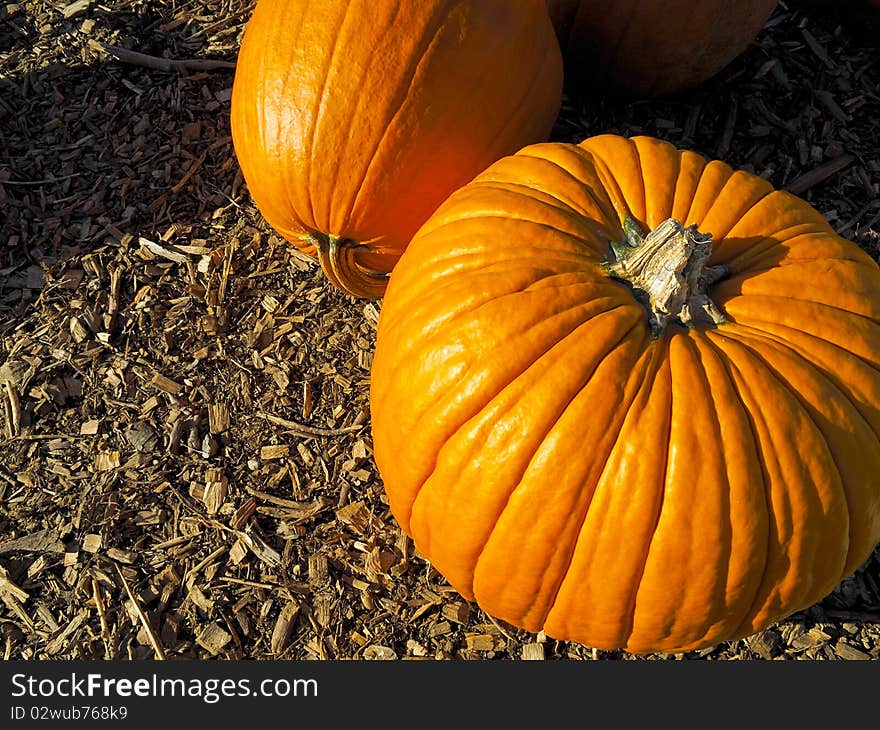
column 185, row 454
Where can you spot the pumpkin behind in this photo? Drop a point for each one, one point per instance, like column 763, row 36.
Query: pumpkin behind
column 353, row 119
column 643, row 49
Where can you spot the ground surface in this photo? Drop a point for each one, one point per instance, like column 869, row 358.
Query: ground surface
column 185, row 455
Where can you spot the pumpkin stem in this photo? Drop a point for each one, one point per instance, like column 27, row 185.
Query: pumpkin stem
column 337, row 257
column 667, row 270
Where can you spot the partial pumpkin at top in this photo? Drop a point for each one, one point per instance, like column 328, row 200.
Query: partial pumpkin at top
column 646, row 48
column 650, row 442
column 353, row 120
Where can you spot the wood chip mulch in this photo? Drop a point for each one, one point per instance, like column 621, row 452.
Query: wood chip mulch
column 185, row 456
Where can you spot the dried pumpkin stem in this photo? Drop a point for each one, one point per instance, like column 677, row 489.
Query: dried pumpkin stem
column 668, row 273
column 337, row 257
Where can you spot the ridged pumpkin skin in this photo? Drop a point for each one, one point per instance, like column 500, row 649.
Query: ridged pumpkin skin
column 567, row 470
column 645, row 49
column 355, row 119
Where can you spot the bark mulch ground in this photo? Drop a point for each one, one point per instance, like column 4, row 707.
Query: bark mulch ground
column 185, row 456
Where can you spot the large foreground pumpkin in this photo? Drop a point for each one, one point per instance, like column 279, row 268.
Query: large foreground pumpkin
column 352, row 120
column 653, row 47
column 655, row 443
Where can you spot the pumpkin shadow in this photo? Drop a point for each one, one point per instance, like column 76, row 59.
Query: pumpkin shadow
column 858, row 17
column 92, row 150
column 856, row 598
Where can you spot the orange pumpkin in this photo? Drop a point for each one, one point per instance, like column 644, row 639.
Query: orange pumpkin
column 352, row 120
column 595, row 418
column 637, row 48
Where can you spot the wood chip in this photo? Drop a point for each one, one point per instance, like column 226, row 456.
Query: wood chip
column 145, row 622
column 355, row 515
column 819, row 174
column 10, row 588
column 378, row 652
column 165, row 384
column 205, row 604
column 480, row 642
column 279, row 451
column 75, row 8
column 90, row 428
column 845, row 650
column 440, row 628
column 162, row 251
column 141, row 436
column 122, row 556
column 817, row 48
column 12, row 406
column 215, row 490
column 814, row 637
column 242, row 515
column 107, row 460
column 213, row 638
column 62, row 640
column 765, row 644
column 43, row 541
column 458, row 612
column 258, row 547
column 283, row 629
column 238, row 552
column 218, row 417
column 92, row 543
column 318, row 570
